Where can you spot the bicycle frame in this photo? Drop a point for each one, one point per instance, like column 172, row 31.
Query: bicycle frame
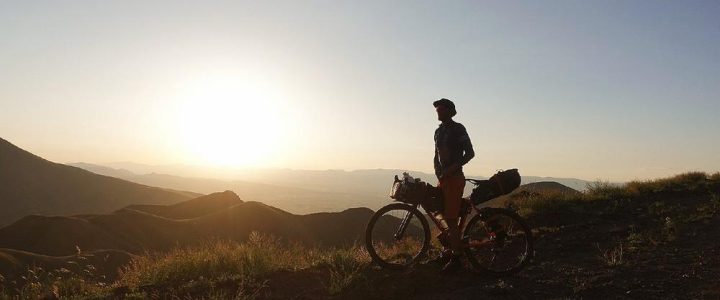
column 438, row 223
column 461, row 220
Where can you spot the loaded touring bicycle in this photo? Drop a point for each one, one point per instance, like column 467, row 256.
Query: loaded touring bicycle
column 494, row 240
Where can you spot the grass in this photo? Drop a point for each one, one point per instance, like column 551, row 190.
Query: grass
column 36, row 283
column 613, row 256
column 242, row 267
column 606, row 198
column 215, row 269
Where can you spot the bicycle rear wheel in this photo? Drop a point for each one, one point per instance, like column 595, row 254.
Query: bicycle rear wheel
column 397, row 236
column 498, row 241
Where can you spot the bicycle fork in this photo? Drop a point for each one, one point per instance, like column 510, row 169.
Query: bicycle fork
column 403, row 225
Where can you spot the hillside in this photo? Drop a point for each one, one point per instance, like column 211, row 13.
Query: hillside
column 32, row 185
column 530, row 189
column 654, row 239
column 139, row 228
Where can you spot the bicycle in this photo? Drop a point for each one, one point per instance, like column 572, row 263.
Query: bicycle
column 495, row 240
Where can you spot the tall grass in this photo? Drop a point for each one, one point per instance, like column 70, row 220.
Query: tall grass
column 606, row 198
column 686, row 182
column 215, row 269
column 222, row 266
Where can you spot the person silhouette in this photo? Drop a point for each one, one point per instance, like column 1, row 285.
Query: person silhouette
column 453, row 149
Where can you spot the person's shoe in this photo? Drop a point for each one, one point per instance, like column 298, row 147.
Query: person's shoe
column 453, row 265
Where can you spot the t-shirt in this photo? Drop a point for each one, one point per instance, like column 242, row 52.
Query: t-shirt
column 452, row 145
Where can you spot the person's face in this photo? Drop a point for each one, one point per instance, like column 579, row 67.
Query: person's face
column 443, row 112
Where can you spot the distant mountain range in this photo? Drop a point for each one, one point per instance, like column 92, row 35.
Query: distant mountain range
column 32, row 185
column 292, row 198
column 296, row 191
column 321, row 180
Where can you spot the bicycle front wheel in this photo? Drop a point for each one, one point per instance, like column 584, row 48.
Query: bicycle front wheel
column 498, row 241
column 397, row 236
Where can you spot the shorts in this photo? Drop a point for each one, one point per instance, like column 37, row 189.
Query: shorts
column 452, row 189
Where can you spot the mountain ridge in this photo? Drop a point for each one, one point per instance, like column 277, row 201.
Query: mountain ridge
column 34, row 185
column 139, row 228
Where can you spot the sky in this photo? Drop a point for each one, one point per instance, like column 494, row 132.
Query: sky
column 609, row 90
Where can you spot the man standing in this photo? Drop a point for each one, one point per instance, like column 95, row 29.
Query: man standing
column 453, row 149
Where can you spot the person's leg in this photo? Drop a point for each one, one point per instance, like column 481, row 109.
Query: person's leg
column 452, row 191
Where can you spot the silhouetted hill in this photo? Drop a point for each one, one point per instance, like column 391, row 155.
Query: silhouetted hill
column 535, row 188
column 138, row 228
column 546, row 187
column 32, row 185
column 192, row 208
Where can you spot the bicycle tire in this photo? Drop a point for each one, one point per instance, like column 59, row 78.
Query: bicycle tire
column 371, row 226
column 479, row 220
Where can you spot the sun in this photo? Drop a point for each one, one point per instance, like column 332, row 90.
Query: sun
column 229, row 121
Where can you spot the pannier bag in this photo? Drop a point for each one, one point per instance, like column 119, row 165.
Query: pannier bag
column 408, row 190
column 415, row 191
column 502, row 183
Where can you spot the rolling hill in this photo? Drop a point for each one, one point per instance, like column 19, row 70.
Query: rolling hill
column 32, row 185
column 138, row 228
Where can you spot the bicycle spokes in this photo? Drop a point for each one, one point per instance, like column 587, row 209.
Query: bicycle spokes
column 497, row 243
column 397, row 237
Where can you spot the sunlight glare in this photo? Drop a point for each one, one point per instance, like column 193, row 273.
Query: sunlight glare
column 230, row 121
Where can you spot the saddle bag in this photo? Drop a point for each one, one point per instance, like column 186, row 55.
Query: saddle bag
column 502, row 183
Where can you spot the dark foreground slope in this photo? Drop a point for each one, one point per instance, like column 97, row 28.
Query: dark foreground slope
column 32, row 185
column 645, row 240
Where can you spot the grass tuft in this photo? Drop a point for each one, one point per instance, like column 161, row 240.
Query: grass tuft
column 612, row 257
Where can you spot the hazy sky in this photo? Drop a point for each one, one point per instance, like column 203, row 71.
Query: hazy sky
column 611, row 90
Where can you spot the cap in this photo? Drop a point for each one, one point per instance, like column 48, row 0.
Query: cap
column 447, row 103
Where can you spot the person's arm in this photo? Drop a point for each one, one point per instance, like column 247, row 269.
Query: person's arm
column 436, row 164
column 468, row 151
column 466, row 145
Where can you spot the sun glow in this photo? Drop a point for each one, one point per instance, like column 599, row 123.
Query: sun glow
column 230, row 121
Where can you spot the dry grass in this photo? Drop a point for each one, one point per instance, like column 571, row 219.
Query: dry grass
column 604, row 198
column 244, row 266
column 613, row 256
column 215, row 269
